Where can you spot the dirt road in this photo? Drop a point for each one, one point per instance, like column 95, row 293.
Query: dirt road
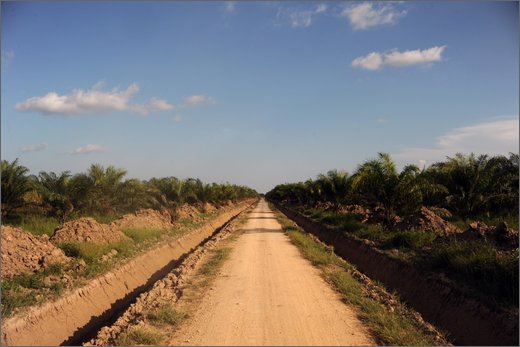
column 268, row 294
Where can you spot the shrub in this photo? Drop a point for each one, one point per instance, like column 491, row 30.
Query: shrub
column 411, row 239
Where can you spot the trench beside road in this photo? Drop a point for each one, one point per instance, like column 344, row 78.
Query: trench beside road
column 78, row 315
column 268, row 294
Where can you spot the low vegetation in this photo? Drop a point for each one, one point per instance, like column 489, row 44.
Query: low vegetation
column 139, row 336
column 390, row 325
column 466, row 188
column 29, row 289
column 166, row 314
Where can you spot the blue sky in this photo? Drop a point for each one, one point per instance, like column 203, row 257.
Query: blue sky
column 255, row 93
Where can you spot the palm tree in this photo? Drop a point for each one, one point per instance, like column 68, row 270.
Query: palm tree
column 334, row 186
column 55, row 192
column 378, row 184
column 15, row 184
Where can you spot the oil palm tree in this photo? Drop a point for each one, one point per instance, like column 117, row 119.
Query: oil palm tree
column 15, row 184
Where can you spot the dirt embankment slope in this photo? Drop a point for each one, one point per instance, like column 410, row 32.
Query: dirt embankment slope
column 86, row 308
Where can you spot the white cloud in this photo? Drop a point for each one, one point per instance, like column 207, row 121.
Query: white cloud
column 371, row 61
column 381, row 120
column 88, row 149
column 430, row 55
column 301, row 18
column 499, row 136
column 196, row 100
column 368, row 14
column 230, row 6
column 93, row 100
column 177, row 118
column 160, row 104
column 34, row 148
column 375, row 60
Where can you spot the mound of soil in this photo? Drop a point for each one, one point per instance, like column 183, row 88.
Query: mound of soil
column 87, row 229
column 24, row 252
column 207, row 207
column 144, row 219
column 187, row 211
column 324, row 205
column 427, row 220
column 441, row 212
column 363, row 213
column 501, row 234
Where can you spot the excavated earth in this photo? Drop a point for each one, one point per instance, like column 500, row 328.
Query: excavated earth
column 144, row 219
column 427, row 220
column 24, row 252
column 87, row 229
column 80, row 312
column 165, row 291
column 187, row 211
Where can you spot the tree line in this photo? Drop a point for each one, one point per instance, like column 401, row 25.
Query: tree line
column 466, row 185
column 103, row 191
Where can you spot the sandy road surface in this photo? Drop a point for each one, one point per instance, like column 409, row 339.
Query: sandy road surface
column 267, row 294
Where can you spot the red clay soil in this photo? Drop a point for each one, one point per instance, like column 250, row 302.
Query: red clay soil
column 207, row 207
column 188, row 211
column 24, row 252
column 428, row 221
column 144, row 219
column 87, row 230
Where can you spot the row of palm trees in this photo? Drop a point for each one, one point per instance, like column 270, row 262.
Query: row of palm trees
column 466, row 185
column 103, row 191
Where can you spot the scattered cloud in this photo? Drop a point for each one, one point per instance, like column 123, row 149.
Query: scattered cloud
column 196, row 100
column 230, row 6
column 90, row 101
column 178, row 118
column 371, row 61
column 7, row 57
column 381, row 120
column 498, row 136
column 301, row 18
column 34, row 148
column 375, row 60
column 88, row 149
column 160, row 104
column 370, row 14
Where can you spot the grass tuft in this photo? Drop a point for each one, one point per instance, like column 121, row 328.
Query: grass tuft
column 166, row 314
column 214, row 263
column 139, row 336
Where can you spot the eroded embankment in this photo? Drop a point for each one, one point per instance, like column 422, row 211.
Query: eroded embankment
column 468, row 321
column 74, row 317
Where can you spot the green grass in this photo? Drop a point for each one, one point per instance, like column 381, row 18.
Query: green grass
column 140, row 235
column 36, row 224
column 139, row 336
column 21, row 291
column 491, row 274
column 475, row 266
column 389, row 327
column 166, row 314
column 511, row 220
column 213, row 264
column 414, row 239
column 91, row 253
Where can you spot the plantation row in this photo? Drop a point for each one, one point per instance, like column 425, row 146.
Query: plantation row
column 377, row 201
column 468, row 186
column 102, row 192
